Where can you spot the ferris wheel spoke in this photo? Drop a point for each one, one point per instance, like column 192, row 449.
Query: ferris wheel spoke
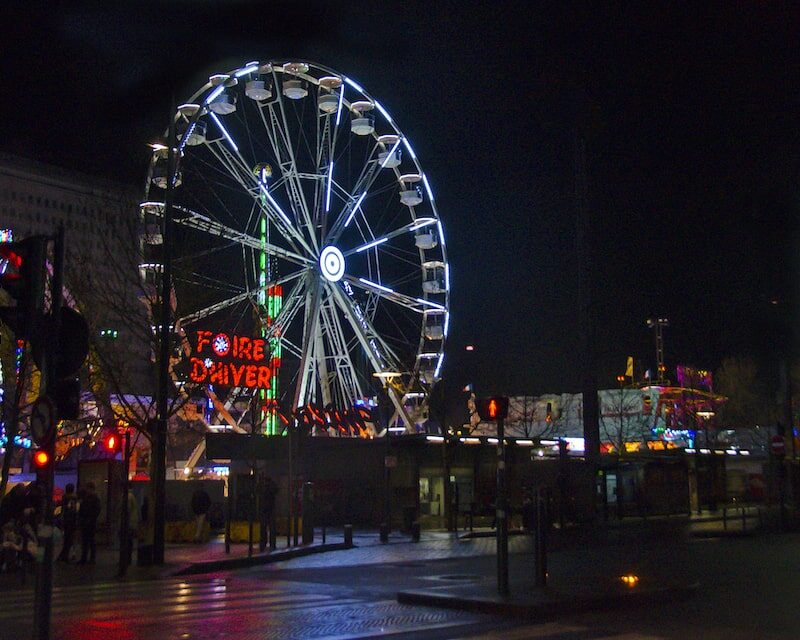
column 240, row 171
column 195, row 220
column 304, row 386
column 279, row 136
column 369, row 175
column 292, row 302
column 409, row 302
column 219, row 306
column 411, row 226
column 345, row 373
column 376, row 350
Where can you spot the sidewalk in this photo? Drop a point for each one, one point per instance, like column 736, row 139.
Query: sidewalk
column 179, row 559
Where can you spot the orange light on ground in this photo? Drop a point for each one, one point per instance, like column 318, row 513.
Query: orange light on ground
column 629, row 580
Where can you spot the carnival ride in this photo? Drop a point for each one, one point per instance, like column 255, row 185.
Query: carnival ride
column 303, row 217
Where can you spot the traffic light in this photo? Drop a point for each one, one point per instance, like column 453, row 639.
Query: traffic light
column 41, row 459
column 112, row 442
column 42, row 466
column 493, row 408
column 22, row 275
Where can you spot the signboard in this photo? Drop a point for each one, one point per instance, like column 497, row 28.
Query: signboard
column 230, row 360
column 778, row 446
column 43, row 420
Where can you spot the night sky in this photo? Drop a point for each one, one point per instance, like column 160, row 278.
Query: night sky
column 689, row 119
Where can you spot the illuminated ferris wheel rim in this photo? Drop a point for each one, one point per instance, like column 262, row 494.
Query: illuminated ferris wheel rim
column 323, row 255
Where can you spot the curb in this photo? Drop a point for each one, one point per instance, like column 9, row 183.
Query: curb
column 226, row 564
column 556, row 605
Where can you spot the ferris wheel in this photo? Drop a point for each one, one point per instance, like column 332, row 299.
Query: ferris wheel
column 302, row 214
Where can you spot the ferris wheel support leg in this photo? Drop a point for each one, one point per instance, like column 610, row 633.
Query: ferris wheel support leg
column 306, row 360
column 359, row 330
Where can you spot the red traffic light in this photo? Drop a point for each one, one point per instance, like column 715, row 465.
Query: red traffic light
column 492, row 409
column 22, row 275
column 41, row 458
column 112, row 442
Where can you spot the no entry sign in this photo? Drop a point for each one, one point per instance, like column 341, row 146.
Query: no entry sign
column 778, row 446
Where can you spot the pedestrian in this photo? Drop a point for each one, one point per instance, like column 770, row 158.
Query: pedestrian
column 69, row 520
column 201, row 503
column 11, row 550
column 88, row 512
column 268, row 492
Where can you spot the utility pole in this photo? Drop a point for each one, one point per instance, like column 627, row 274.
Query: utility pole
column 165, row 343
column 44, row 571
column 584, row 218
column 125, row 534
column 502, row 511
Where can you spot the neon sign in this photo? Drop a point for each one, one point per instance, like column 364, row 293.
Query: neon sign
column 230, row 360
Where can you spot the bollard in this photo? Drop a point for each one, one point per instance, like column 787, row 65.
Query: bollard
column 384, row 532
column 308, row 512
column 273, row 533
column 415, row 531
column 540, row 542
column 348, row 536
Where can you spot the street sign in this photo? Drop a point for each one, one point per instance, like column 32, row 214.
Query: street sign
column 43, row 420
column 778, row 446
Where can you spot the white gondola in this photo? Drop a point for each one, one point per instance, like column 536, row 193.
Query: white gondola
column 390, row 159
column 223, row 104
column 426, row 241
column 159, row 177
column 294, row 89
column 197, row 134
column 152, row 234
column 433, row 281
column 363, row 123
column 329, row 103
column 434, row 332
column 258, row 89
column 411, row 197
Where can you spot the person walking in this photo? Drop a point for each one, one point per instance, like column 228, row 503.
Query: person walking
column 88, row 513
column 201, row 503
column 69, row 520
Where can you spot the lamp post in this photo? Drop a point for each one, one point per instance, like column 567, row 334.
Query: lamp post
column 386, row 377
column 706, row 416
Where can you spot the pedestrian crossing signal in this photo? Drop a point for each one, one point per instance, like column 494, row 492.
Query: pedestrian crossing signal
column 493, row 408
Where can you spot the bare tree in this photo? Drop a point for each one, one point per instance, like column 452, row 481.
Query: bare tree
column 622, row 418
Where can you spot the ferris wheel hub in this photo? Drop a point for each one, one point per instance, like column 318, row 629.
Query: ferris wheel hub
column 331, row 264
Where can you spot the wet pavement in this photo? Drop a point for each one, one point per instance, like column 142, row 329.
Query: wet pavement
column 746, row 590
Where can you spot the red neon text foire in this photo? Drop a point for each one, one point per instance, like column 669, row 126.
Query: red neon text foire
column 241, row 347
